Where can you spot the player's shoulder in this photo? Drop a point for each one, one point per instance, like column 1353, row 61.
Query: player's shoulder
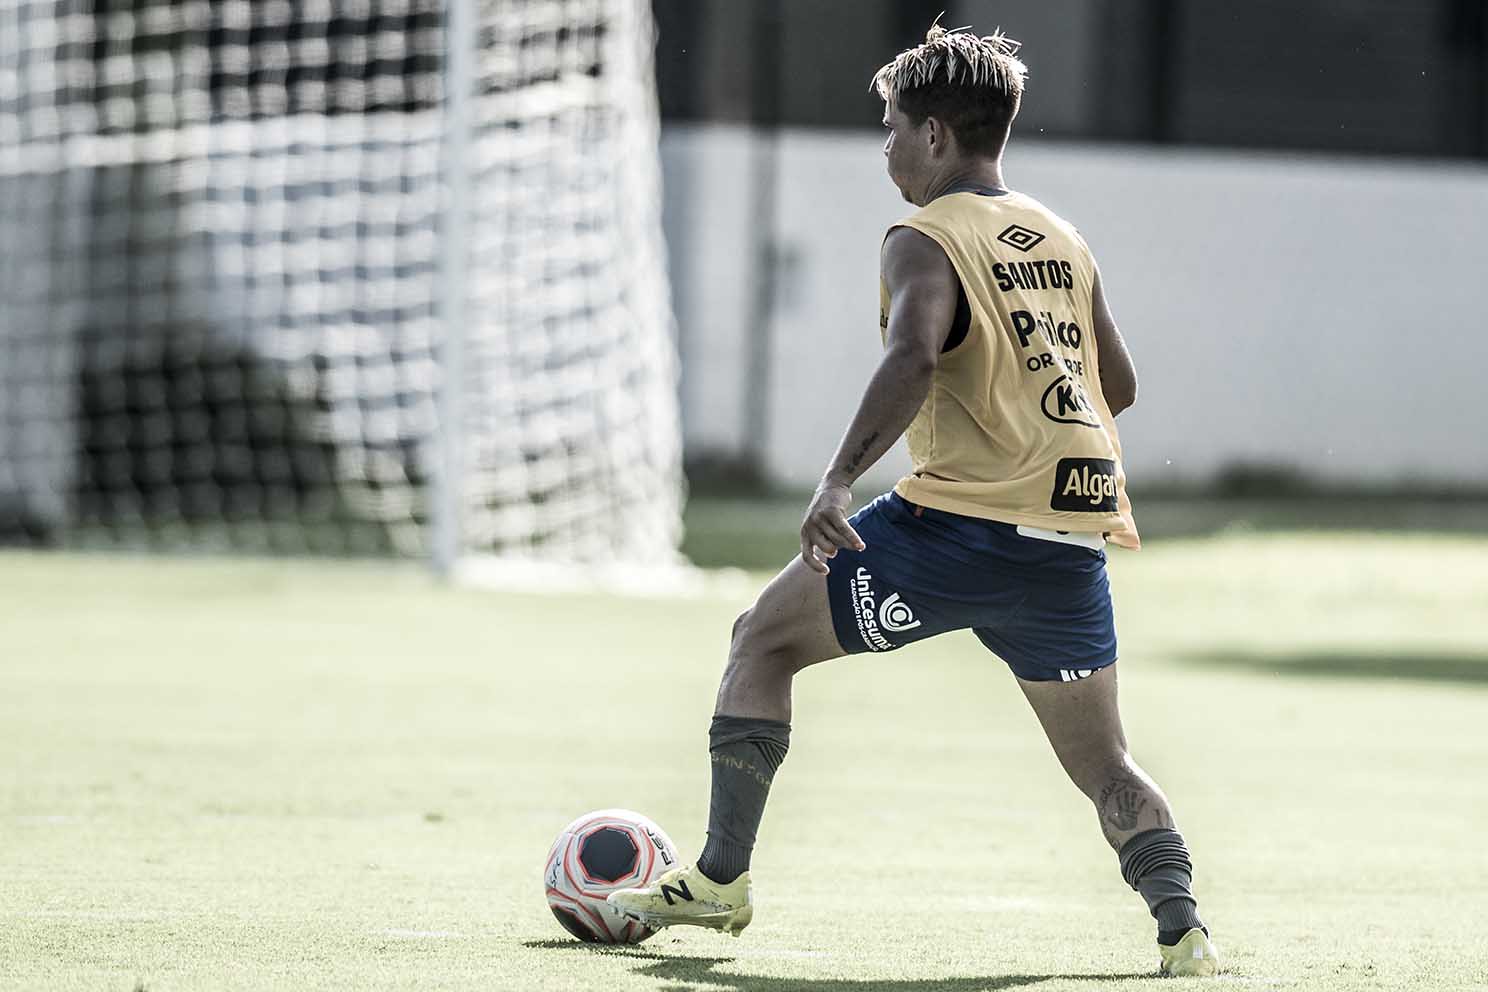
column 1017, row 207
column 913, row 252
column 1054, row 221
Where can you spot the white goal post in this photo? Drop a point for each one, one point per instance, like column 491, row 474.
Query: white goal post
column 378, row 276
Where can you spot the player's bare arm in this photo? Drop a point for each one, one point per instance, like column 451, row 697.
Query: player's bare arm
column 922, row 290
column 1118, row 376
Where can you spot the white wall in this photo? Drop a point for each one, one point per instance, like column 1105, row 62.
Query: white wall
column 1323, row 313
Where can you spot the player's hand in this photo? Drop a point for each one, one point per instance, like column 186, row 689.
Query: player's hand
column 826, row 529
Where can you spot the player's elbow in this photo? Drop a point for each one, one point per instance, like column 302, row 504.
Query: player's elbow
column 913, row 362
column 1121, row 395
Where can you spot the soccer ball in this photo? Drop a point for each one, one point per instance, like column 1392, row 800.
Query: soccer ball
column 595, row 855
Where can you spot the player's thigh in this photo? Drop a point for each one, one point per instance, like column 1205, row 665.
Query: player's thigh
column 878, row 599
column 1082, row 720
column 790, row 623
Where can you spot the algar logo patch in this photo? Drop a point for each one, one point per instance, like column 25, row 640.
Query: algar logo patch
column 1085, row 485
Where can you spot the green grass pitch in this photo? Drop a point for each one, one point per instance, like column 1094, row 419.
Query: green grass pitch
column 223, row 774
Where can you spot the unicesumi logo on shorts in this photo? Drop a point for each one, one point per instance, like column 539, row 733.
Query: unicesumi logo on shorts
column 1085, row 485
column 873, row 616
column 894, row 614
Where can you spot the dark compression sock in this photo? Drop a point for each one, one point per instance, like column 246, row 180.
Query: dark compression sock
column 1156, row 864
column 745, row 751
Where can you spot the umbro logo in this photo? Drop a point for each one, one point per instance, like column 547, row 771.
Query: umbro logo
column 1020, row 237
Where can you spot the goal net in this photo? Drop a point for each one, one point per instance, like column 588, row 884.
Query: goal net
column 292, row 276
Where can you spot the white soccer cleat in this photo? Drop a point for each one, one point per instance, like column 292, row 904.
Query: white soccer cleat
column 1194, row 955
column 685, row 896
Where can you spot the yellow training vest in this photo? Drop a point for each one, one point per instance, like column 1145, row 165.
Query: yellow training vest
column 1015, row 427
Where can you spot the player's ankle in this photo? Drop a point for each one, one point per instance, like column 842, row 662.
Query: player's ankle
column 1178, row 916
column 1168, row 938
column 722, row 863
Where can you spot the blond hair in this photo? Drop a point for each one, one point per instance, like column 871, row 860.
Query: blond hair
column 958, row 58
column 974, row 84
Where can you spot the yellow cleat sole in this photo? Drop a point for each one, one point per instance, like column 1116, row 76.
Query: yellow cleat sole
column 731, row 923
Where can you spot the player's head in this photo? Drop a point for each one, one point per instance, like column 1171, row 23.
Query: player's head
column 947, row 102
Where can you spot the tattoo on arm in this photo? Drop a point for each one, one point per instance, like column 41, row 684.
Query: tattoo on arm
column 857, row 458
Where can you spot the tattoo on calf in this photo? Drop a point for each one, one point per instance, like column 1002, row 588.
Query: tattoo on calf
column 1120, row 806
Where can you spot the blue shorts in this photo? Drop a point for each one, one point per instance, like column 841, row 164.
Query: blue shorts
column 1042, row 606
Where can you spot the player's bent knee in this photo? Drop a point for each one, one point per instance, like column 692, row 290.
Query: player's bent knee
column 762, row 643
column 739, row 624
column 746, row 635
column 754, row 643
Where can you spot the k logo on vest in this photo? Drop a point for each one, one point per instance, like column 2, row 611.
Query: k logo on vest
column 1065, row 402
column 1085, row 485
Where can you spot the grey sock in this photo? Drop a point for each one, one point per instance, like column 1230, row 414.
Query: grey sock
column 745, row 752
column 1157, row 865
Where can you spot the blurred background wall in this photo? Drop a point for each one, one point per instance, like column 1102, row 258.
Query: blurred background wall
column 1288, row 202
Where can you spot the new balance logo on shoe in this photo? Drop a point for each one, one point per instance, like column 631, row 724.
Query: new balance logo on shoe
column 681, row 891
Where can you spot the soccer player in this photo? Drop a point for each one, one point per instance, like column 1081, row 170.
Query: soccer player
column 1005, row 367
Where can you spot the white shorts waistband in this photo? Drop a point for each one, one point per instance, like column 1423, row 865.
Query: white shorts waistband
column 1085, row 540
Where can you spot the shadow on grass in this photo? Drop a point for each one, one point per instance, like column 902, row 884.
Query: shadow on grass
column 603, row 950
column 688, row 972
column 1464, row 668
